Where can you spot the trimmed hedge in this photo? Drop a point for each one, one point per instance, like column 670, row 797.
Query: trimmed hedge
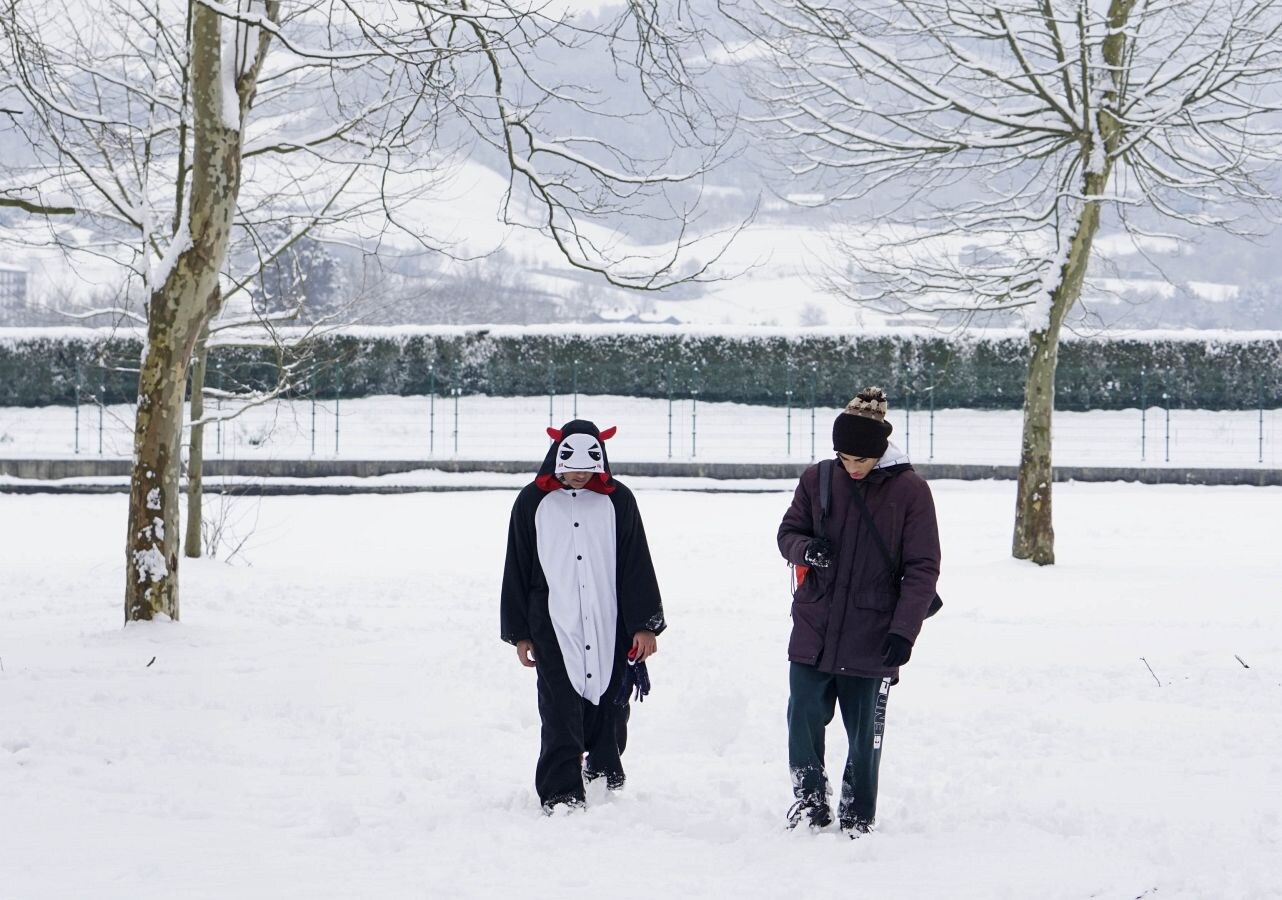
column 812, row 367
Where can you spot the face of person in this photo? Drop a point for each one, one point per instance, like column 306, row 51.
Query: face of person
column 580, row 453
column 857, row 466
column 576, row 480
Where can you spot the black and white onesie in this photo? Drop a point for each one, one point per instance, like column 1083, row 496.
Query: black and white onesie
column 578, row 583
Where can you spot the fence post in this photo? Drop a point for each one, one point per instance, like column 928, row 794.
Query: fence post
column 218, row 407
column 814, row 375
column 669, row 380
column 1261, row 450
column 338, row 399
column 574, row 386
column 102, row 400
column 77, row 403
column 312, row 391
column 1143, row 413
column 1166, row 402
column 931, row 444
column 431, row 411
column 551, row 392
column 694, row 418
column 788, row 400
column 908, row 422
column 788, row 403
column 457, row 392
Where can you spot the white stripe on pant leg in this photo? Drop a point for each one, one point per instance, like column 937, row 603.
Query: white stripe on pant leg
column 879, row 715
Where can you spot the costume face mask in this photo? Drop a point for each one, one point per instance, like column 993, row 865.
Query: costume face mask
column 579, row 453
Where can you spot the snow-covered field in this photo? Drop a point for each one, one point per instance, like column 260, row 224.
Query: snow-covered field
column 335, row 716
column 481, row 427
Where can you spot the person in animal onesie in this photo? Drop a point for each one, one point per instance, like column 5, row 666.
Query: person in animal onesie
column 581, row 604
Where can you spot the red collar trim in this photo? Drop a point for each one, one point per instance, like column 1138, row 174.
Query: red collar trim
column 599, row 482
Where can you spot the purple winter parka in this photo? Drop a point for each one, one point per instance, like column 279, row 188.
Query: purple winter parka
column 842, row 614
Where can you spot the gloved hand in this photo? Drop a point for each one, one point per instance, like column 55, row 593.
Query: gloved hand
column 819, row 553
column 635, row 684
column 896, row 650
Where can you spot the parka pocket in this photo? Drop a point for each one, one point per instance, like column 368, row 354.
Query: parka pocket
column 812, row 589
column 809, row 623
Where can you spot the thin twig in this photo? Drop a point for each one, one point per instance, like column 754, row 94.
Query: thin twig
column 1241, row 660
column 1150, row 671
column 148, row 666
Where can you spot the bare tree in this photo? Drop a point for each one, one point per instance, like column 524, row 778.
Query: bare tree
column 143, row 126
column 1011, row 126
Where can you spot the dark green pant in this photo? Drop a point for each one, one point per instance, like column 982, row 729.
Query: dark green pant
column 811, row 701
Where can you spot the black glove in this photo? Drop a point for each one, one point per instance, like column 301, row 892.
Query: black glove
column 896, row 650
column 635, row 681
column 819, row 553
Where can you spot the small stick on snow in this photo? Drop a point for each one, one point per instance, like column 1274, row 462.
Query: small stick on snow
column 1241, row 660
column 1150, row 671
column 148, row 666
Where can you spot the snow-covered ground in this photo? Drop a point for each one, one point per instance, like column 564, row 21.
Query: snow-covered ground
column 653, row 430
column 335, row 716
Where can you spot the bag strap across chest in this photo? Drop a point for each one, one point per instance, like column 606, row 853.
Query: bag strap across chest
column 825, row 495
column 891, row 565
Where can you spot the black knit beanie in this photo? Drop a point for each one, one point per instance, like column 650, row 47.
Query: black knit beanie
column 862, row 430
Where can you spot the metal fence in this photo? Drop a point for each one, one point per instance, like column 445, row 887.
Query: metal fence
column 680, row 428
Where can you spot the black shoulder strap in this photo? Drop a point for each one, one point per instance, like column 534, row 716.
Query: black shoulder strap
column 872, row 526
column 825, row 488
column 825, row 496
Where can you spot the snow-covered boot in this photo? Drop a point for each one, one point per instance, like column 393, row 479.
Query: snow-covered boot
column 613, row 780
column 856, row 828
column 814, row 811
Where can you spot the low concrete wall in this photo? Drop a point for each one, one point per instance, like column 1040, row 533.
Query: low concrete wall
column 1141, row 475
column 54, row 470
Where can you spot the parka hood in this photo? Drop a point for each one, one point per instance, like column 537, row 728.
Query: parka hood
column 893, row 462
column 893, row 456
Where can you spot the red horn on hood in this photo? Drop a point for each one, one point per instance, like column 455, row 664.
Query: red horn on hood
column 609, row 432
column 555, row 433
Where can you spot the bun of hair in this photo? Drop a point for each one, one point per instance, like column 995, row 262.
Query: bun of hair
column 870, row 402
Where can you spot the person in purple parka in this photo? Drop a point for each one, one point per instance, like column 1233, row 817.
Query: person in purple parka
column 859, row 608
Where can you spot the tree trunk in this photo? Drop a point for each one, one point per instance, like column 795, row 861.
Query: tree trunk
column 1034, row 532
column 196, row 450
column 151, row 583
